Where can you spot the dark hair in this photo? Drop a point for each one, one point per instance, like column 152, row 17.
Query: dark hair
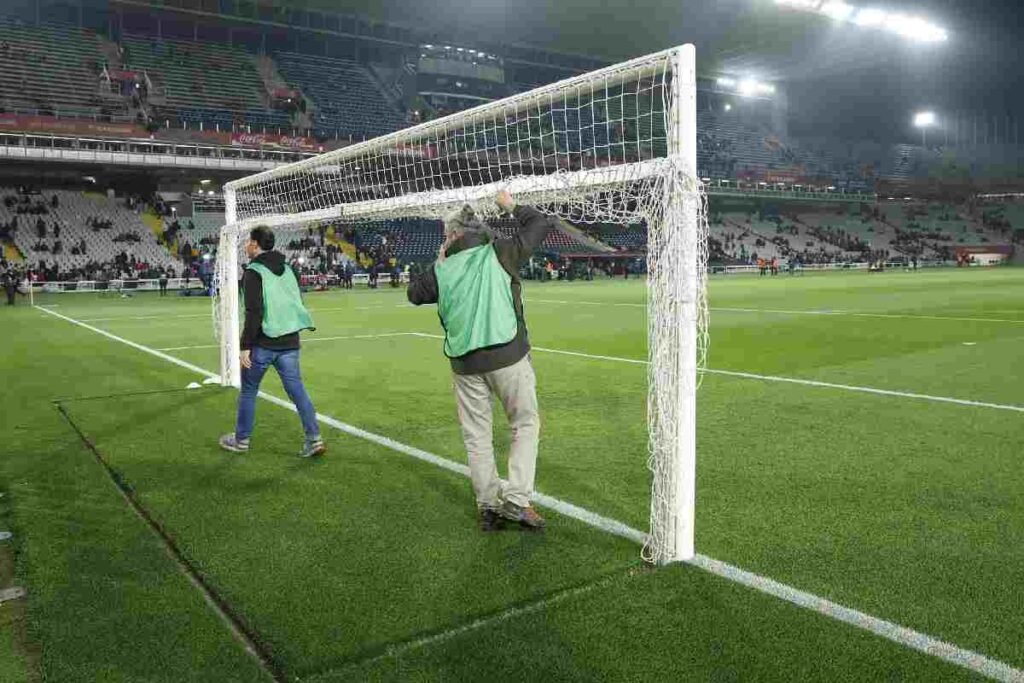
column 263, row 236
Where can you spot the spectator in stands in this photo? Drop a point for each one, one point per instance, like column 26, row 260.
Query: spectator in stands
column 274, row 316
column 487, row 345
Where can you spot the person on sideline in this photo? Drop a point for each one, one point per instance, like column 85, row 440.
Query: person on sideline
column 475, row 284
column 274, row 316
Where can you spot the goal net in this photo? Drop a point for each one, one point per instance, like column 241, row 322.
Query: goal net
column 615, row 146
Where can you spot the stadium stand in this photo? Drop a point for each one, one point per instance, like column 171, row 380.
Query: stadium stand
column 73, row 234
column 211, row 84
column 349, row 102
column 51, row 69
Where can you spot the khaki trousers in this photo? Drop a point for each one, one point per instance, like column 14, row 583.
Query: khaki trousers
column 516, row 388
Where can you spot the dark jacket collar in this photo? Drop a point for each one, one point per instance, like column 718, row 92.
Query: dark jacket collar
column 272, row 260
column 467, row 241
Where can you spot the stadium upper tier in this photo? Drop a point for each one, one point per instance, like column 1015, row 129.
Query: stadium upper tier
column 348, row 101
column 51, row 69
column 213, row 84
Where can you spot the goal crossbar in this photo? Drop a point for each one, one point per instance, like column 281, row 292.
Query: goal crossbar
column 536, row 189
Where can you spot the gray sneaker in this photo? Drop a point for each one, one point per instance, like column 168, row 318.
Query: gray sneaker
column 526, row 516
column 313, row 448
column 229, row 443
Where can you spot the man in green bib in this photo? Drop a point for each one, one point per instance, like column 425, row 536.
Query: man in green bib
column 274, row 316
column 475, row 284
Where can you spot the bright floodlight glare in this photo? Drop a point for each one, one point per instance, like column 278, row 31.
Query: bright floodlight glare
column 747, row 87
column 204, row 181
column 728, row 107
column 811, row 5
column 727, row 82
column 914, row 28
column 924, row 119
column 870, row 17
column 837, row 9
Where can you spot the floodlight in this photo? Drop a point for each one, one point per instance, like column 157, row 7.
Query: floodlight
column 871, row 17
column 837, row 9
column 916, row 29
column 924, row 119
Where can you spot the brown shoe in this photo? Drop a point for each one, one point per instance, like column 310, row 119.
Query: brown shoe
column 526, row 516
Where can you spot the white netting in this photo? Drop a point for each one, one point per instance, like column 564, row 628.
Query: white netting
column 616, row 146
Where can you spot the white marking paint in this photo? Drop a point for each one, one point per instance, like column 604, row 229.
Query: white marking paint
column 901, row 635
column 305, row 340
column 125, row 318
column 780, row 311
column 787, row 380
column 13, row 593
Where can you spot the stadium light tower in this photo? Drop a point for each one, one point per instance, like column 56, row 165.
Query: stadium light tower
column 924, row 120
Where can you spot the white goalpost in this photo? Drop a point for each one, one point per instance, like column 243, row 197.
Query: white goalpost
column 617, row 145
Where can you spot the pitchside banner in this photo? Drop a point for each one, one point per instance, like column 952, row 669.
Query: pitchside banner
column 46, row 124
column 272, row 140
column 85, row 128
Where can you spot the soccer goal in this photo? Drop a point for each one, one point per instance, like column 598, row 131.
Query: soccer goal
column 614, row 146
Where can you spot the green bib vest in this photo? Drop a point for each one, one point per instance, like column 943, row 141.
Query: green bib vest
column 283, row 310
column 474, row 301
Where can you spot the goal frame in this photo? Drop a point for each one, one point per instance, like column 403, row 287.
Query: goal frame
column 673, row 494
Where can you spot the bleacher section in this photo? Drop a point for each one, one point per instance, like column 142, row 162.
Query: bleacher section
column 627, row 238
column 73, row 215
column 348, row 100
column 209, row 83
column 51, row 69
column 558, row 241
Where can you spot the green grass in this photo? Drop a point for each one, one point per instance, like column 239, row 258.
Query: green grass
column 909, row 510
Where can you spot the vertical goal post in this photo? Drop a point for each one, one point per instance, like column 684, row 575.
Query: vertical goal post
column 614, row 146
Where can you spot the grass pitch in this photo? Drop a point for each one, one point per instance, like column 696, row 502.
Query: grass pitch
column 367, row 565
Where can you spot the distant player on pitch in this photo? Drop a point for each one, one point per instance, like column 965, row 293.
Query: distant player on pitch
column 475, row 284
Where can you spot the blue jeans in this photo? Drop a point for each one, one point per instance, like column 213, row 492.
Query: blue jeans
column 287, row 365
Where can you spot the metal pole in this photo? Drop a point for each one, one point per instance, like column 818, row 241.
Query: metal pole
column 684, row 147
column 231, row 347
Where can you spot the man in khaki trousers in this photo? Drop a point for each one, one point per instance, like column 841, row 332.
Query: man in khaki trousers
column 475, row 284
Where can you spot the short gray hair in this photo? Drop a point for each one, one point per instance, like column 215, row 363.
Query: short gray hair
column 464, row 220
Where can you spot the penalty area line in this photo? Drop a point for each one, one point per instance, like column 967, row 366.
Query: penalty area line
column 304, row 341
column 787, row 380
column 893, row 632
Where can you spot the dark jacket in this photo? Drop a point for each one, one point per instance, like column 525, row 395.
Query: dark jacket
column 252, row 288
column 512, row 253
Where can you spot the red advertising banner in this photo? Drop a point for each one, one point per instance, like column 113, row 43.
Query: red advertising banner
column 86, row 128
column 790, row 176
column 48, row 124
column 274, row 140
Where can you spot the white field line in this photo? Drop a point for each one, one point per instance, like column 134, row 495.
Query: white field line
column 787, row 380
column 779, row 311
column 179, row 316
column 909, row 638
column 856, row 314
column 146, row 317
column 305, row 340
